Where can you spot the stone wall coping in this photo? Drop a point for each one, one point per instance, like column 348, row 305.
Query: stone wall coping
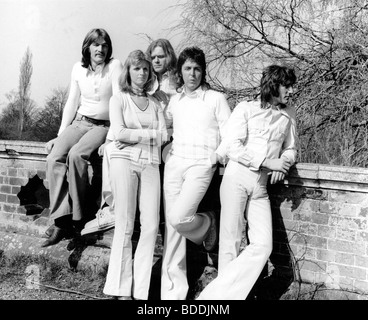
column 329, row 177
column 302, row 174
column 25, row 150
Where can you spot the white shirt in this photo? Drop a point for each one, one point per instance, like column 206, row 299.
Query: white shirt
column 96, row 88
column 167, row 85
column 198, row 120
column 90, row 92
column 255, row 134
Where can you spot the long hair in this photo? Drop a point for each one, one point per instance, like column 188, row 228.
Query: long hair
column 272, row 77
column 166, row 46
column 134, row 58
column 194, row 54
column 91, row 36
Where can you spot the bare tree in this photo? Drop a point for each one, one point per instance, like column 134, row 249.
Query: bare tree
column 19, row 114
column 324, row 40
column 49, row 118
column 24, row 88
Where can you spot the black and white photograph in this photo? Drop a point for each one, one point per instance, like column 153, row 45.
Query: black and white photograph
column 184, row 154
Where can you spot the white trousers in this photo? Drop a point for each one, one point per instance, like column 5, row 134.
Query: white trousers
column 185, row 184
column 131, row 181
column 106, row 192
column 241, row 190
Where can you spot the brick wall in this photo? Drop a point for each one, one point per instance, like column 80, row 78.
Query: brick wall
column 320, row 217
column 21, row 161
column 24, row 198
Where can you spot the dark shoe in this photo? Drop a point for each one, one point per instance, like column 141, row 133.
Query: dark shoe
column 212, row 237
column 49, row 231
column 58, row 234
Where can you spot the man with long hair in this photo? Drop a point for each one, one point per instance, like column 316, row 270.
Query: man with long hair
column 83, row 130
column 261, row 143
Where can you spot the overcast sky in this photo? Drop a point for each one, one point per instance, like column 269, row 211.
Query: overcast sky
column 54, row 30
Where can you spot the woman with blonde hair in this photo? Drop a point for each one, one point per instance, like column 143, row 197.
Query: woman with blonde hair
column 164, row 61
column 137, row 121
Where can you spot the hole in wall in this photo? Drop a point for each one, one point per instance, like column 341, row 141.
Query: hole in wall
column 34, row 196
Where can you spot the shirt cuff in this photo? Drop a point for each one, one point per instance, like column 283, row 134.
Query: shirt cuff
column 257, row 162
column 221, row 152
column 147, row 135
column 254, row 164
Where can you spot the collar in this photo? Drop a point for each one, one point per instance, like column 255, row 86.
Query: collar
column 283, row 111
column 198, row 93
column 98, row 69
column 165, row 75
column 155, row 86
column 277, row 108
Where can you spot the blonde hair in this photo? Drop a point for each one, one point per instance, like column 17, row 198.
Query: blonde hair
column 166, row 46
column 134, row 58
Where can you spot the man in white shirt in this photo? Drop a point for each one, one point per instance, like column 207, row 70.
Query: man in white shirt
column 83, row 130
column 261, row 142
column 198, row 116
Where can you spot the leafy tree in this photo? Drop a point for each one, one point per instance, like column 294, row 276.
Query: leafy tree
column 9, row 118
column 49, row 118
column 21, row 119
column 10, row 115
column 18, row 116
column 326, row 43
column 24, row 89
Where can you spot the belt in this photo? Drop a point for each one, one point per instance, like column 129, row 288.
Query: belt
column 95, row 121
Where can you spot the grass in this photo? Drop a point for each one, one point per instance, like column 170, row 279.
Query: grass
column 50, row 276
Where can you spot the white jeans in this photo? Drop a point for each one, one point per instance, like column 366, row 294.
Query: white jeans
column 241, row 190
column 106, row 192
column 131, row 181
column 185, row 184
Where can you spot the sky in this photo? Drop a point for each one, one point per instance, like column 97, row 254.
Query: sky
column 54, row 31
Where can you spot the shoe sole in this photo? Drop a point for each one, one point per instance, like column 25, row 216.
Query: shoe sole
column 48, row 232
column 67, row 235
column 98, row 229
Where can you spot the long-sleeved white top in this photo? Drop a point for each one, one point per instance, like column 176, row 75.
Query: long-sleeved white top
column 198, row 121
column 143, row 139
column 162, row 91
column 254, row 134
column 167, row 85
